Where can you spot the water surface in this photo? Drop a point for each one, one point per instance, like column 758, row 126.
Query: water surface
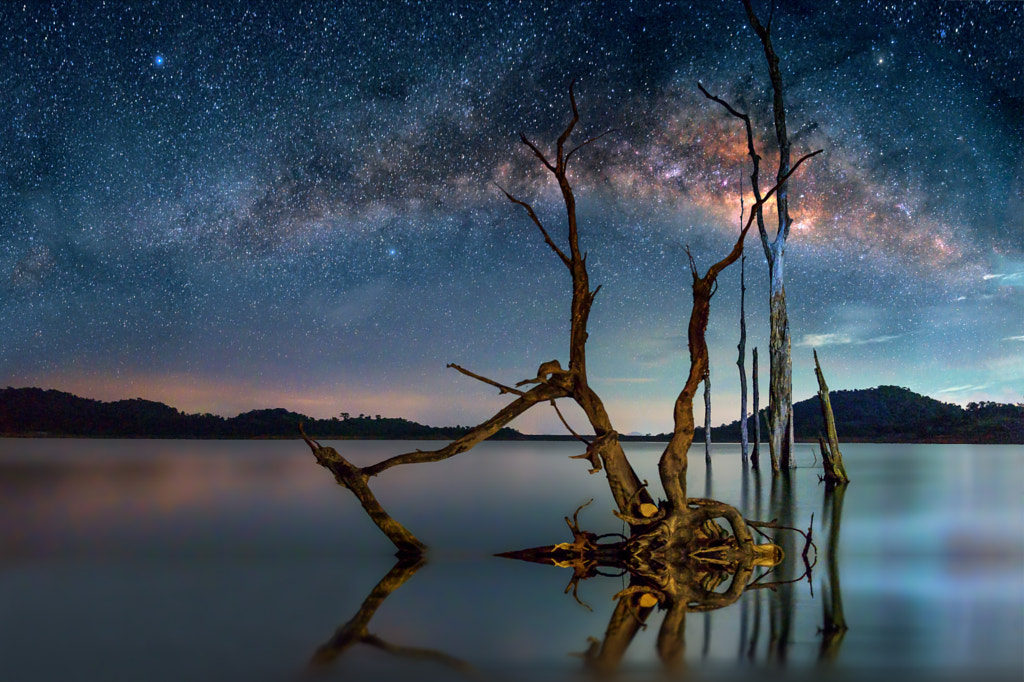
column 223, row 560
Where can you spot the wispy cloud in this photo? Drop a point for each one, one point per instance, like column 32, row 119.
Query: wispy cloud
column 1009, row 278
column 819, row 340
column 1014, row 338
column 961, row 389
column 825, row 340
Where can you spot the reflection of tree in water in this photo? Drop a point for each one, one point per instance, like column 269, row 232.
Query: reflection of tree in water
column 833, row 627
column 712, row 577
column 356, row 629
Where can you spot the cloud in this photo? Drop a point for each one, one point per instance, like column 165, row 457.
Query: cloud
column 1014, row 338
column 1013, row 279
column 961, row 389
column 825, row 340
column 818, row 340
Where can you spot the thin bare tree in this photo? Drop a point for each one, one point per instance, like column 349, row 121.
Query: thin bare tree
column 741, row 362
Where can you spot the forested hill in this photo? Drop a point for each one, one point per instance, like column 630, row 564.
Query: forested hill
column 887, row 414
column 38, row 412
column 890, row 414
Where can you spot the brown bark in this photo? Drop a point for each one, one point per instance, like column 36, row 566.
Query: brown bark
column 627, row 490
column 356, row 478
column 832, row 459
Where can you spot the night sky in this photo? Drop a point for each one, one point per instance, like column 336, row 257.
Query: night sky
column 235, row 206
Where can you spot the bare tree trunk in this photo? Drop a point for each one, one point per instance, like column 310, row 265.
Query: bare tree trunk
column 831, row 458
column 604, row 451
column 780, row 400
column 780, row 386
column 757, row 413
column 741, row 362
column 707, row 416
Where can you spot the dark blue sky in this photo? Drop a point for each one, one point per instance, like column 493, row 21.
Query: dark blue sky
column 231, row 206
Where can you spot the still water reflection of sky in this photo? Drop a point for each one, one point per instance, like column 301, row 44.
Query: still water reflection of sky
column 220, row 560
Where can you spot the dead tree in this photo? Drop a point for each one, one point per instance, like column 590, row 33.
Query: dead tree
column 677, row 529
column 707, row 416
column 780, row 395
column 831, row 458
column 741, row 362
column 754, row 455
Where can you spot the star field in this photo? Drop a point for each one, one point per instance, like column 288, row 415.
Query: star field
column 227, row 206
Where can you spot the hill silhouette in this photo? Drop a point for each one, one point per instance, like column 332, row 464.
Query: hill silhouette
column 39, row 412
column 886, row 414
column 892, row 414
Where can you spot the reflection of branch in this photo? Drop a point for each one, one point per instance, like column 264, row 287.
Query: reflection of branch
column 808, row 565
column 355, row 630
column 834, row 626
column 629, row 618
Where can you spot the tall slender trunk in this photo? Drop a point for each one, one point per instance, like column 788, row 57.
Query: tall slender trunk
column 780, row 388
column 741, row 363
column 707, row 416
column 780, row 403
column 754, row 455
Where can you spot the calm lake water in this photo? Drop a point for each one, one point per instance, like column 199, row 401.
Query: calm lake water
column 236, row 560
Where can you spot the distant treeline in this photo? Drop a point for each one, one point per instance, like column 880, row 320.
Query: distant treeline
column 38, row 412
column 890, row 414
column 887, row 414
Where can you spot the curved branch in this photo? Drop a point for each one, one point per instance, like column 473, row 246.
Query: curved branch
column 536, row 221
column 570, row 429
column 583, row 144
column 541, row 393
column 501, row 387
column 560, row 146
column 755, row 159
column 536, row 152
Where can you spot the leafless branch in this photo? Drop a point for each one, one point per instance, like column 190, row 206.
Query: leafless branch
column 536, row 221
column 540, row 393
column 501, row 387
column 536, row 152
column 566, row 424
column 583, row 144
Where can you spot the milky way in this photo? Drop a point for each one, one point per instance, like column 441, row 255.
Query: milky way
column 232, row 206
